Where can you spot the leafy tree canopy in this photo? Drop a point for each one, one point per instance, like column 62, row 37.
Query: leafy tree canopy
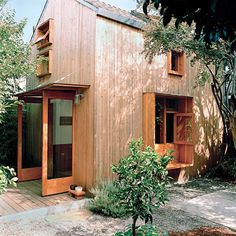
column 214, row 19
column 14, row 67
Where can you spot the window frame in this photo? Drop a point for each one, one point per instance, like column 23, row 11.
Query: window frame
column 40, row 72
column 44, row 30
column 180, row 61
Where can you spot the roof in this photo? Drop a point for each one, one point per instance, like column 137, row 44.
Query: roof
column 115, row 13
column 133, row 19
column 52, row 86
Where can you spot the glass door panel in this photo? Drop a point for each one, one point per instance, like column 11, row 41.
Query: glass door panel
column 29, row 147
column 32, row 135
column 59, row 138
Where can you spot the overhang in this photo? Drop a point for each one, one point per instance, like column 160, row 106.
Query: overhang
column 38, row 92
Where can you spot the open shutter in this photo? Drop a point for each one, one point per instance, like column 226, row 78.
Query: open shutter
column 183, row 128
column 183, row 136
column 149, row 100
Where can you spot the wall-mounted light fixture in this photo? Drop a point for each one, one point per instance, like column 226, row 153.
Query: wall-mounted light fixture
column 78, row 98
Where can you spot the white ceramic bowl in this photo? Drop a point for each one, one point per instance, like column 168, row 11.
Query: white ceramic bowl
column 78, row 189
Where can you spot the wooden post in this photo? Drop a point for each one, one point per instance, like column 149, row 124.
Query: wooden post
column 44, row 143
column 19, row 142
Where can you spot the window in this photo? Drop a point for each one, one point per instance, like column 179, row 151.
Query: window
column 43, row 41
column 44, row 35
column 168, row 125
column 44, row 67
column 175, row 63
column 173, row 122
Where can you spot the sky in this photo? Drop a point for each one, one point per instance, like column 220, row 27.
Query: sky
column 31, row 10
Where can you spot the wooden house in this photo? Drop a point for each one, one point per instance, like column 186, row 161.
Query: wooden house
column 95, row 91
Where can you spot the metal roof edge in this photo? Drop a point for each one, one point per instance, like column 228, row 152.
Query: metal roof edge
column 116, row 17
column 87, row 4
column 113, row 16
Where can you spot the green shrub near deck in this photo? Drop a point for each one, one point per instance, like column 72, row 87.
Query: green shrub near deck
column 105, row 200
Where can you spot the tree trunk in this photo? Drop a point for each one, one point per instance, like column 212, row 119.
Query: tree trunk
column 134, row 225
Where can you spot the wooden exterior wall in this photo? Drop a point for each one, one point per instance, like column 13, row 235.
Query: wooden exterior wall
column 106, row 55
column 73, row 44
column 123, row 78
column 73, row 62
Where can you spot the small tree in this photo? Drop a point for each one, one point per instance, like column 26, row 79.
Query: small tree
column 142, row 180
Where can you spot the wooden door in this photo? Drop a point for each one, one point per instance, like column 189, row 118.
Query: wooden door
column 29, row 140
column 57, row 155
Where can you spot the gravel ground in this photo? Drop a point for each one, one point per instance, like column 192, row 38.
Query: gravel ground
column 84, row 223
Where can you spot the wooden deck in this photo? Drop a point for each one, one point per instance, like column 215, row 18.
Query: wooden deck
column 27, row 196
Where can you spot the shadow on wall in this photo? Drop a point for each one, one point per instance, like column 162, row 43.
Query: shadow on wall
column 208, row 136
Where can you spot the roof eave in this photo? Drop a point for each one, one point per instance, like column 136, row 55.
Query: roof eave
column 121, row 19
column 112, row 16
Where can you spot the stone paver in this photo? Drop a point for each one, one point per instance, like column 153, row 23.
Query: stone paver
column 218, row 207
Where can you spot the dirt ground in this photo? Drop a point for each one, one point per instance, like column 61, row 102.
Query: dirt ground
column 167, row 218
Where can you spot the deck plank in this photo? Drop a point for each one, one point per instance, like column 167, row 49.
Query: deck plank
column 27, row 196
column 8, row 209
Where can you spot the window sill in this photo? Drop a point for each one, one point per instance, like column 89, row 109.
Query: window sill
column 43, row 75
column 172, row 72
column 177, row 165
column 44, row 45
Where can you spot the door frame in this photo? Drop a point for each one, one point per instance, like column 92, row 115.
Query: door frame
column 57, row 185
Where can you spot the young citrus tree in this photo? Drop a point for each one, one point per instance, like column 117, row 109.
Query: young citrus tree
column 142, row 180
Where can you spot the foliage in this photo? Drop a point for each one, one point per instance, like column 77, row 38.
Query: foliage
column 8, row 139
column 148, row 230
column 217, row 65
column 229, row 166
column 7, row 177
column 14, row 66
column 213, row 19
column 14, row 56
column 142, row 180
column 105, row 201
column 226, row 169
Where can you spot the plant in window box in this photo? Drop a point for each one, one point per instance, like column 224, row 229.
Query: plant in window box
column 43, row 64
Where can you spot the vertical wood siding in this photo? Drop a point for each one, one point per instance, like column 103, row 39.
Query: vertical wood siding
column 123, row 76
column 73, row 48
column 107, row 55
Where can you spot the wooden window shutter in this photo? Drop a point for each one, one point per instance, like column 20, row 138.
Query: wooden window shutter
column 183, row 128
column 149, row 100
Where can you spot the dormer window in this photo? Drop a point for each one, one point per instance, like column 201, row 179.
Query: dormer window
column 175, row 63
column 44, row 35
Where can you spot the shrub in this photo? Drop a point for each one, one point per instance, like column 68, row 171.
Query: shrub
column 105, row 200
column 226, row 169
column 8, row 131
column 142, row 180
column 150, row 230
column 230, row 167
column 7, row 177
